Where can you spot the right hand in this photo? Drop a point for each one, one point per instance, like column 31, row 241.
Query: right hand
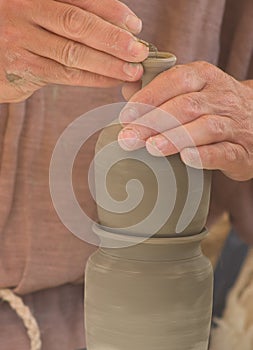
column 70, row 42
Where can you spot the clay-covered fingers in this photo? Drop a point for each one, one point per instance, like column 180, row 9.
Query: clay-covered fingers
column 22, row 78
column 75, row 55
column 113, row 11
column 231, row 158
column 89, row 29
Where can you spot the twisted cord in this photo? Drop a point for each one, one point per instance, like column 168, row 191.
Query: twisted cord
column 16, row 303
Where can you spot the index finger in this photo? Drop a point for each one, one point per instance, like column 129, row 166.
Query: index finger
column 87, row 28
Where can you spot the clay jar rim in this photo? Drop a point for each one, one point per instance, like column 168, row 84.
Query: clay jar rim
column 161, row 56
column 101, row 232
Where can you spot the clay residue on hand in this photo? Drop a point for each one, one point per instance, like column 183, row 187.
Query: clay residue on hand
column 25, row 81
column 153, row 51
column 13, row 78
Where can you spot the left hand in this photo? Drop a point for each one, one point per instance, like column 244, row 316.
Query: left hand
column 210, row 106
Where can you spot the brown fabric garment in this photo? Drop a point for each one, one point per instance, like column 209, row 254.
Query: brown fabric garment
column 59, row 314
column 36, row 251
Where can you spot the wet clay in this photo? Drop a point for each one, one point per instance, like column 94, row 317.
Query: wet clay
column 12, row 78
column 195, row 196
column 156, row 294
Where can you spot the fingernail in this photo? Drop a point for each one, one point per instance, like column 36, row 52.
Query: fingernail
column 128, row 115
column 191, row 157
column 133, row 70
column 138, row 49
column 128, row 139
column 134, row 24
column 156, row 145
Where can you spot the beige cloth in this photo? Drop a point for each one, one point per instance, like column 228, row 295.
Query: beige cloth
column 36, row 251
column 235, row 329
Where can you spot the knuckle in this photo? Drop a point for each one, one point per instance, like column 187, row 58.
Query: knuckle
column 228, row 103
column 49, row 72
column 215, row 127
column 207, row 70
column 231, row 100
column 97, row 80
column 70, row 54
column 185, row 77
column 89, row 24
column 180, row 75
column 78, row 77
column 232, row 154
column 113, row 36
column 72, row 21
column 190, row 104
column 71, row 75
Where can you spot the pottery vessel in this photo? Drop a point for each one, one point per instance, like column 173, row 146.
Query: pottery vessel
column 153, row 295
column 182, row 192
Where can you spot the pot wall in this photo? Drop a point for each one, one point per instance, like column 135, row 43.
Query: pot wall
column 162, row 301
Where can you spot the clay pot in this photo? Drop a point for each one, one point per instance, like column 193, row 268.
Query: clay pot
column 156, row 63
column 182, row 193
column 153, row 295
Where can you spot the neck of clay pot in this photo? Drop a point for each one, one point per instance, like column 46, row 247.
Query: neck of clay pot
column 156, row 64
column 165, row 251
column 152, row 249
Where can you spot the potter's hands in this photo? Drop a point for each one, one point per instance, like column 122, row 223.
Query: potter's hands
column 72, row 42
column 214, row 109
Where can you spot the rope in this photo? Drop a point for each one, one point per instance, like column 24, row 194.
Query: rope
column 16, row 303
